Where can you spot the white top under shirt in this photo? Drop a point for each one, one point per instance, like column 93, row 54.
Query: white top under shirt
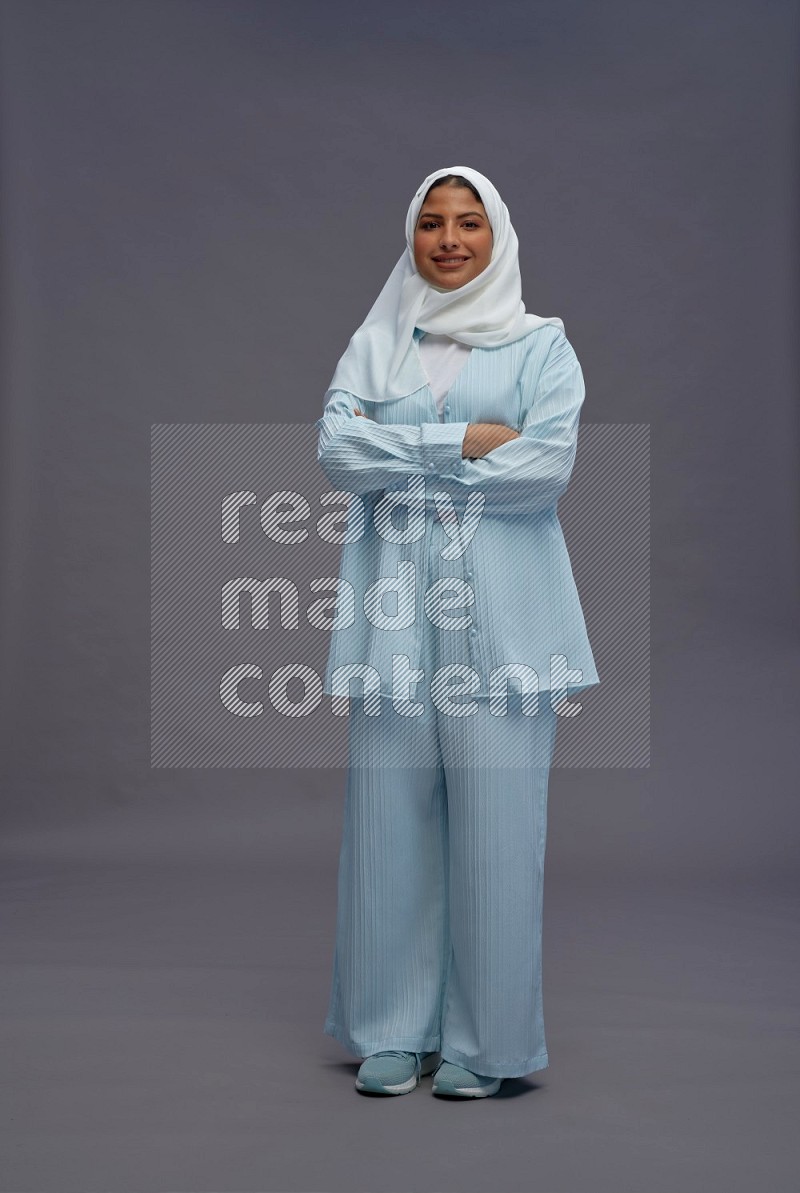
column 442, row 359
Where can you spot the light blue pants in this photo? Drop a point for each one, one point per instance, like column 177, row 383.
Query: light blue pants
column 440, row 884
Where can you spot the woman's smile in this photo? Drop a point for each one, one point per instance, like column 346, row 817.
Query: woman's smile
column 450, row 262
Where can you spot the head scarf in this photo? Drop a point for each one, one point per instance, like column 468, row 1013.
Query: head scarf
column 382, row 362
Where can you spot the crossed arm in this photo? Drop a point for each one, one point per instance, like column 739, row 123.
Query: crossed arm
column 519, row 472
column 480, row 438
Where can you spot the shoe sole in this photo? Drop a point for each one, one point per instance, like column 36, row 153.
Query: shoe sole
column 373, row 1086
column 464, row 1091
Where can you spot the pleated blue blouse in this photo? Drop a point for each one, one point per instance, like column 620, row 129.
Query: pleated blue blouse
column 493, row 589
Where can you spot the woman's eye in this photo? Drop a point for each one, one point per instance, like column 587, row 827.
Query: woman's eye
column 427, row 225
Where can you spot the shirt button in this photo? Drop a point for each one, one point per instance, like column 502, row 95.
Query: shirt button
column 473, row 633
column 430, row 466
column 468, row 575
column 447, row 409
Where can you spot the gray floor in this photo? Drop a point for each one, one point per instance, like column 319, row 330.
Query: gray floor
column 165, row 971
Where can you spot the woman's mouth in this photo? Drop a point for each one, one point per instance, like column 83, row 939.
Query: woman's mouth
column 454, row 262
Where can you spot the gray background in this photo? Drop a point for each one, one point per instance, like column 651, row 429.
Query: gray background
column 199, row 203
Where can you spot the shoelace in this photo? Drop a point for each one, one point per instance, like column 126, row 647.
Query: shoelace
column 396, row 1052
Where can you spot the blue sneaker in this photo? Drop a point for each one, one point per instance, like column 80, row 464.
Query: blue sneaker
column 451, row 1081
column 394, row 1071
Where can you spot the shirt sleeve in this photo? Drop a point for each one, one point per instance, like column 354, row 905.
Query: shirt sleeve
column 528, row 474
column 359, row 455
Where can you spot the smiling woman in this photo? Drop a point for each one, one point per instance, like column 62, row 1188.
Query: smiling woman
column 449, row 380
column 451, row 245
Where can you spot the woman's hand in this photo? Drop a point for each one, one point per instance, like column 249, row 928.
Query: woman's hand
column 361, row 412
column 481, row 438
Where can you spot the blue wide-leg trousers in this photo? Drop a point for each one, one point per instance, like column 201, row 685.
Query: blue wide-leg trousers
column 440, row 884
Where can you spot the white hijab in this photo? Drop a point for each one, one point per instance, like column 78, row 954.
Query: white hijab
column 382, row 363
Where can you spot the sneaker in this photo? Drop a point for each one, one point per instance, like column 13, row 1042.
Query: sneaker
column 394, row 1071
column 451, row 1081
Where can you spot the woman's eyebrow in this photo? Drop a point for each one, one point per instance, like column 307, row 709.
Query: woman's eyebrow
column 435, row 215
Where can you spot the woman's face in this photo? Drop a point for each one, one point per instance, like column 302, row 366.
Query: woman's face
column 453, row 237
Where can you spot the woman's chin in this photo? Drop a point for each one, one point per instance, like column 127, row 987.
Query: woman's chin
column 444, row 285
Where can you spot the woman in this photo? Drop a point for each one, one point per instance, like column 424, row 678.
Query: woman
column 458, row 407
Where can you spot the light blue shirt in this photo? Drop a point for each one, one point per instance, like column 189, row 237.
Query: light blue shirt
column 512, row 598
